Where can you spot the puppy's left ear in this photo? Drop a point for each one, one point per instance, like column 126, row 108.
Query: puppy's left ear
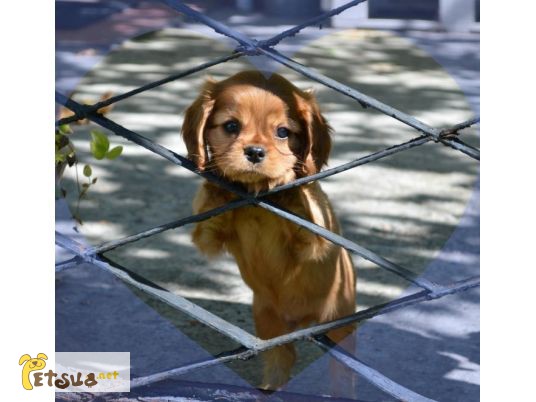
column 317, row 144
column 24, row 358
column 193, row 126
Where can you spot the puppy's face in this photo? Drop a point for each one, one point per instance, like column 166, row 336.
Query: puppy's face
column 256, row 131
column 252, row 135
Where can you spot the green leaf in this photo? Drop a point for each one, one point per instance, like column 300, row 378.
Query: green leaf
column 100, row 138
column 87, row 171
column 85, row 185
column 114, row 152
column 94, row 181
column 61, row 140
column 99, row 144
column 65, row 129
column 96, row 151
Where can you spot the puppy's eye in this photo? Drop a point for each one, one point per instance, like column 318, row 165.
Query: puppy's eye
column 282, row 132
column 231, row 127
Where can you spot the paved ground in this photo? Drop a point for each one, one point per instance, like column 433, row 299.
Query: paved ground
column 419, row 209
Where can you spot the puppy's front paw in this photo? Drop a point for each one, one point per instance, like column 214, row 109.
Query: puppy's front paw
column 277, row 366
column 275, row 383
column 207, row 240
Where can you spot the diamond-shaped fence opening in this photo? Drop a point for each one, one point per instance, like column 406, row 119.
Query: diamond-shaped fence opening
column 250, row 344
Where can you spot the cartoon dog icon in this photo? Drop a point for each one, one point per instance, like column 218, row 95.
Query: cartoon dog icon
column 30, row 364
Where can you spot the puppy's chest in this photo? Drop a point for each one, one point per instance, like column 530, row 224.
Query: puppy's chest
column 261, row 237
column 258, row 229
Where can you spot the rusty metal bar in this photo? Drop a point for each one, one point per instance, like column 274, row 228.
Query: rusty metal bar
column 151, row 85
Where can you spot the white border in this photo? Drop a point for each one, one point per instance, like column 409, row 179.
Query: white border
column 27, row 180
column 508, row 201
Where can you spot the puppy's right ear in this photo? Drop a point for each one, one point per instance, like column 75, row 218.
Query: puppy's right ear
column 193, row 126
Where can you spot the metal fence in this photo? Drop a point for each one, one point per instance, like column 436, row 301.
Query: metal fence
column 250, row 344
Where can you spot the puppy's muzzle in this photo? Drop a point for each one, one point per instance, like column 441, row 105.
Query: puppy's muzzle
column 254, row 153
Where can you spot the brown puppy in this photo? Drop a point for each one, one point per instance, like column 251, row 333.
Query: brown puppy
column 264, row 132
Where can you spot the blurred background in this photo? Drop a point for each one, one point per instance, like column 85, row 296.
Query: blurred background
column 418, row 208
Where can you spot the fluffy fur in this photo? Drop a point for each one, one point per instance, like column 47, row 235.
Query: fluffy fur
column 297, row 277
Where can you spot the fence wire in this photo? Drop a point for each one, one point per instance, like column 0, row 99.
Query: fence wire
column 250, row 344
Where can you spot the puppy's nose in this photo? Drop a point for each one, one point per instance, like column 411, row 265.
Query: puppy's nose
column 254, row 153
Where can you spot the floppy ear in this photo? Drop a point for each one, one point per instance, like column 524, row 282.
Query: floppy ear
column 317, row 144
column 42, row 356
column 24, row 358
column 193, row 126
